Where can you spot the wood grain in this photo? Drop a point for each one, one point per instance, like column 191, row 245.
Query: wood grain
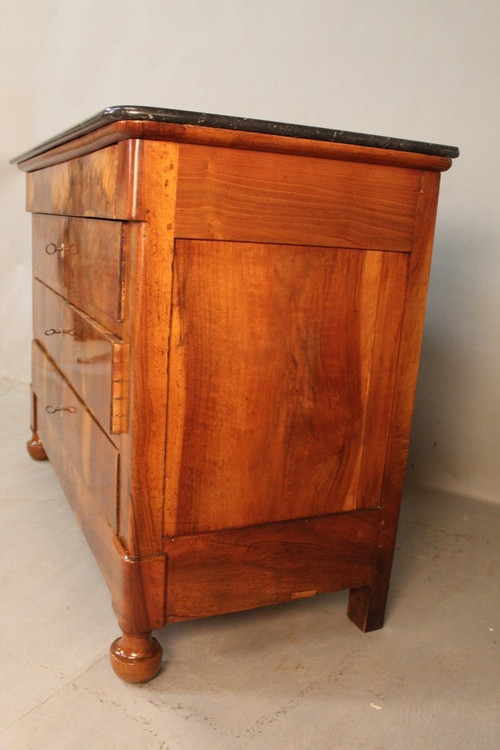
column 100, row 184
column 73, row 437
column 234, row 195
column 281, row 382
column 137, row 585
column 367, row 604
column 94, row 360
column 148, row 331
column 260, row 300
column 90, row 271
column 230, row 571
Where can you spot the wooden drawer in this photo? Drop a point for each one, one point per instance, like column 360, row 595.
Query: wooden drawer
column 71, row 437
column 88, row 355
column 101, row 184
column 82, row 259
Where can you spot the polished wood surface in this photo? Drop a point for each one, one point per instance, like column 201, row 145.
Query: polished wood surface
column 71, row 436
column 137, row 584
column 281, row 381
column 255, row 566
column 136, row 658
column 34, row 446
column 367, row 605
column 253, row 197
column 100, row 184
column 148, row 330
column 83, row 260
column 227, row 400
column 94, row 360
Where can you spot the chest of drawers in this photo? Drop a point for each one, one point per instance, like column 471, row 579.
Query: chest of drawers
column 227, row 324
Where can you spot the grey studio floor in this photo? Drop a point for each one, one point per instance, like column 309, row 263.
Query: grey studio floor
column 298, row 675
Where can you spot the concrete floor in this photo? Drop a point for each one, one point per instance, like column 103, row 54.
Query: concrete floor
column 292, row 676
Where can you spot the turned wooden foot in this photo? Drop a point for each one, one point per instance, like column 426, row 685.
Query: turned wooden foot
column 36, row 449
column 136, row 658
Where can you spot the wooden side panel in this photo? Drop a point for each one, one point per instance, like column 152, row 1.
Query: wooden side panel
column 71, row 437
column 280, row 382
column 228, row 571
column 89, row 270
column 413, row 326
column 89, row 356
column 229, row 194
column 100, row 184
column 383, row 372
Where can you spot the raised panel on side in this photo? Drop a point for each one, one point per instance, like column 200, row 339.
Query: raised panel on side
column 280, row 381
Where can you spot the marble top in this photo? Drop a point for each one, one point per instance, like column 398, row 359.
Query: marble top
column 160, row 115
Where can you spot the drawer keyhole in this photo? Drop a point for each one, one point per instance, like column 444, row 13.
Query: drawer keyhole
column 60, row 332
column 52, row 249
column 55, row 409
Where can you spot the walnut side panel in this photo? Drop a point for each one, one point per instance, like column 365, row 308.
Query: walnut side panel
column 384, row 362
column 281, row 381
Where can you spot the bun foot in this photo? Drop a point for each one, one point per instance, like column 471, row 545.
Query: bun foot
column 36, row 449
column 136, row 658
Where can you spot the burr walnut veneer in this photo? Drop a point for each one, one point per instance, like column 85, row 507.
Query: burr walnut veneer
column 228, row 317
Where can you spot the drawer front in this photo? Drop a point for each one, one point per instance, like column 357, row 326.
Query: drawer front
column 100, row 184
column 72, row 437
column 82, row 259
column 88, row 355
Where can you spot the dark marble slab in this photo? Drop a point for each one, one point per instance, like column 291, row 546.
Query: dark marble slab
column 116, row 114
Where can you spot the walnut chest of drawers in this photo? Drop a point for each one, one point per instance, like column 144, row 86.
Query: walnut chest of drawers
column 227, row 324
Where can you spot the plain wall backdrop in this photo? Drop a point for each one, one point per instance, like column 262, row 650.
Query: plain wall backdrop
column 419, row 69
